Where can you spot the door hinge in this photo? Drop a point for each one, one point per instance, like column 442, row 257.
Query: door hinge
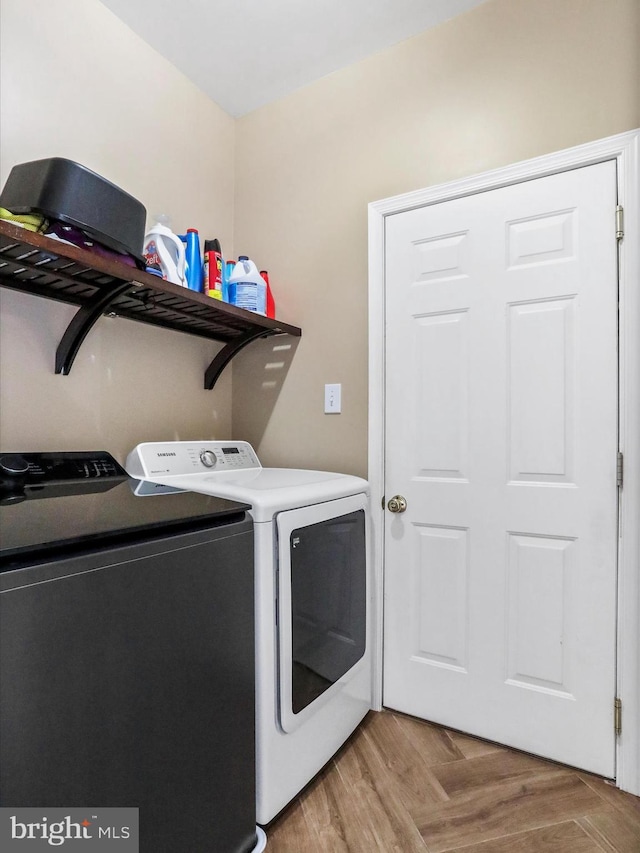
column 620, row 470
column 619, row 222
column 617, row 716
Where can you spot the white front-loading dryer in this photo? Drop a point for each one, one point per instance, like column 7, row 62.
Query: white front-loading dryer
column 313, row 659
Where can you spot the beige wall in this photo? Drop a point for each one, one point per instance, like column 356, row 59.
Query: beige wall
column 76, row 83
column 509, row 80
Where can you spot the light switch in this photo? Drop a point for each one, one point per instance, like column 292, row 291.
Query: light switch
column 332, row 399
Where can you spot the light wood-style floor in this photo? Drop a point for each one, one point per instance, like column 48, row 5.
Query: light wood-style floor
column 401, row 785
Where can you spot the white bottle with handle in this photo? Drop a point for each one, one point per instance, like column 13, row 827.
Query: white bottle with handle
column 247, row 288
column 165, row 249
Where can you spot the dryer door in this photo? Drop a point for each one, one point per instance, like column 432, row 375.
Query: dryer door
column 322, row 603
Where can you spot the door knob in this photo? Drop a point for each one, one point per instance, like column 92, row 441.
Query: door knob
column 397, row 504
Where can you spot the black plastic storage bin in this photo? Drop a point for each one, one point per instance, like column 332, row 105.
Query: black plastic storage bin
column 63, row 190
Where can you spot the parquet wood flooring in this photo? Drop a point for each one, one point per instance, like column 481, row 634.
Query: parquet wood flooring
column 401, row 785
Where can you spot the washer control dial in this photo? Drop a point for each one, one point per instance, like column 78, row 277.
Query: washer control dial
column 208, row 458
column 14, row 464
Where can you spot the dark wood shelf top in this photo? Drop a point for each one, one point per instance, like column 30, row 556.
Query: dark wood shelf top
column 32, row 263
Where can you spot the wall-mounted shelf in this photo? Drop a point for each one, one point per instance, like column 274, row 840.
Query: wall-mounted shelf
column 32, row 263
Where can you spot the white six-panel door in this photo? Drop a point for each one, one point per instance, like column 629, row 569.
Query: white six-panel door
column 501, row 433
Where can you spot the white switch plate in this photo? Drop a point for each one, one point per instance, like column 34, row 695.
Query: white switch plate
column 332, row 399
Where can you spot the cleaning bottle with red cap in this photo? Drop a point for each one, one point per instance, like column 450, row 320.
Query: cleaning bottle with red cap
column 213, row 269
column 271, row 305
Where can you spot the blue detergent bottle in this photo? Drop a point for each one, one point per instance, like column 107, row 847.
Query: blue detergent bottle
column 193, row 259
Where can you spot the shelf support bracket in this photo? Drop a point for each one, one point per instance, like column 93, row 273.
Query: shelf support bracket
column 83, row 321
column 225, row 355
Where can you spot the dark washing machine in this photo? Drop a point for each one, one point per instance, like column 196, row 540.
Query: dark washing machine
column 127, row 651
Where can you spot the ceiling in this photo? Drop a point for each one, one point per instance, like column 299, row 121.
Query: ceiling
column 246, row 53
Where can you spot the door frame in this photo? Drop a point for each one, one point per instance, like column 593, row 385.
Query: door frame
column 624, row 148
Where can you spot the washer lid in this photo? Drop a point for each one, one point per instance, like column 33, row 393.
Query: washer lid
column 232, row 470
column 265, row 479
column 271, row 490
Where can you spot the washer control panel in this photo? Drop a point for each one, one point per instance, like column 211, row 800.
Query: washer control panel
column 46, row 467
column 173, row 458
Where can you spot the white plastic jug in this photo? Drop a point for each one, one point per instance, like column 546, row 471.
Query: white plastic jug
column 247, row 288
column 166, row 249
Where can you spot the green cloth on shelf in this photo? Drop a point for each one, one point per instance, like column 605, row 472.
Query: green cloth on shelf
column 30, row 221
